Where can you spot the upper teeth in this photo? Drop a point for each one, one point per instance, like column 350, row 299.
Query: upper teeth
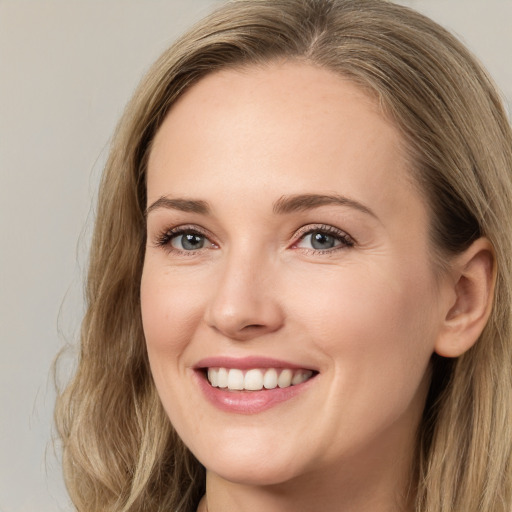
column 256, row 379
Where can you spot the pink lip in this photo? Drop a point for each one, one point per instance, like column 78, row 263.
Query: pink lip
column 245, row 363
column 246, row 402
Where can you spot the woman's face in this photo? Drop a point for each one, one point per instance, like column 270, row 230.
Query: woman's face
column 287, row 245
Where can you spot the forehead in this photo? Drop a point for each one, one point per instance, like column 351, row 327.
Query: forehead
column 291, row 126
column 300, row 94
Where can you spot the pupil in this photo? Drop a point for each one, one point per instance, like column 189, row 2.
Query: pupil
column 322, row 241
column 191, row 241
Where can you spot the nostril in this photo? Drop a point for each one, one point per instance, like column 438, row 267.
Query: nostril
column 244, row 318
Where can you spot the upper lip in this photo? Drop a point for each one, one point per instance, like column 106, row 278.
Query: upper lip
column 245, row 363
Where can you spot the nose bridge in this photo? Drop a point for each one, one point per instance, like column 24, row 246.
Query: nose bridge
column 244, row 305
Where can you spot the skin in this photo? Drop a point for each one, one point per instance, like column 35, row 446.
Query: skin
column 366, row 316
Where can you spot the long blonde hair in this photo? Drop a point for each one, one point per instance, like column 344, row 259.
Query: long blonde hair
column 120, row 452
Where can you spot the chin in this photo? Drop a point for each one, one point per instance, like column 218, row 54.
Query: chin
column 259, row 462
column 254, row 472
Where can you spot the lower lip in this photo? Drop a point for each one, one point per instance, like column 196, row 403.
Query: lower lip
column 248, row 402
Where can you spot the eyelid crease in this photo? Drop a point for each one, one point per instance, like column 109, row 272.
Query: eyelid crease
column 346, row 240
column 301, row 233
column 163, row 238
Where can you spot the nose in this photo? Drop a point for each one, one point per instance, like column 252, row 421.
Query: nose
column 245, row 304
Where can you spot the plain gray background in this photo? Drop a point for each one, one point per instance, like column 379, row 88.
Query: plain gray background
column 67, row 68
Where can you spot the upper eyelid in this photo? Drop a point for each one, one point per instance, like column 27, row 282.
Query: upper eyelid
column 193, row 228
column 163, row 237
column 294, row 236
column 309, row 228
column 297, row 234
column 346, row 240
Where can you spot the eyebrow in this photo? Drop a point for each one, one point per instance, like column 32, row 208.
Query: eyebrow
column 284, row 205
column 184, row 205
column 303, row 202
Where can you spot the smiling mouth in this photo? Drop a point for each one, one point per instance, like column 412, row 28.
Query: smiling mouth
column 256, row 379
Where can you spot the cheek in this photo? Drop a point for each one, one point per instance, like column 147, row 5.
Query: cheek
column 375, row 300
column 378, row 329
column 171, row 311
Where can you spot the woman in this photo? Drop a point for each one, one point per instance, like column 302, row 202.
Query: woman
column 299, row 295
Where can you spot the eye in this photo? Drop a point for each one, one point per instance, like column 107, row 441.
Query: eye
column 323, row 239
column 188, row 241
column 184, row 239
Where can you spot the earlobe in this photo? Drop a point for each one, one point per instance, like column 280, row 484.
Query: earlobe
column 473, row 276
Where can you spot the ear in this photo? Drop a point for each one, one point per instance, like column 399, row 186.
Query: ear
column 473, row 277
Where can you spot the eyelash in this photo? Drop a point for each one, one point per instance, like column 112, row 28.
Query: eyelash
column 165, row 237
column 346, row 241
